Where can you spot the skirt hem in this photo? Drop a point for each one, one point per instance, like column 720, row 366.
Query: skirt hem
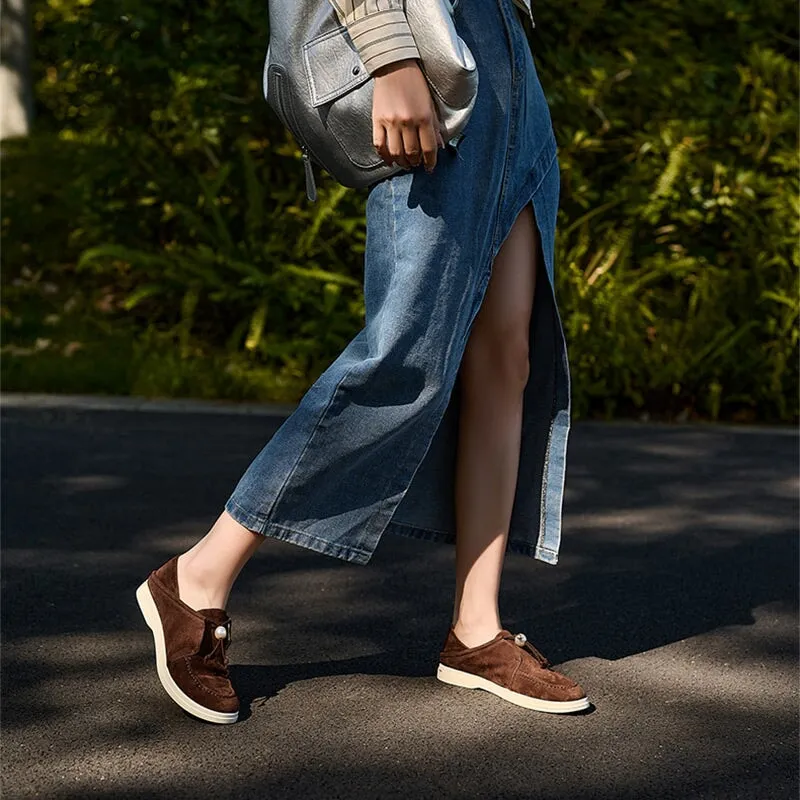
column 516, row 546
column 274, row 530
column 362, row 557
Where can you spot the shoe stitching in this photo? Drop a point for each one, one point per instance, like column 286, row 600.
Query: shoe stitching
column 554, row 686
column 533, row 678
column 514, row 673
column 544, row 684
column 547, row 683
column 205, row 688
column 539, row 668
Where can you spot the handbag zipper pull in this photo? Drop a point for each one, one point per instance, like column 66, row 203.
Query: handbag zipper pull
column 311, row 186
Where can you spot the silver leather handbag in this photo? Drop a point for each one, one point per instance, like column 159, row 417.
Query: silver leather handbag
column 316, row 83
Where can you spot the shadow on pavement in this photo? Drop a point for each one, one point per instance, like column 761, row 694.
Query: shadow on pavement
column 678, row 538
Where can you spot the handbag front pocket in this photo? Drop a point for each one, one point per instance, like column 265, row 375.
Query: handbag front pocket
column 340, row 89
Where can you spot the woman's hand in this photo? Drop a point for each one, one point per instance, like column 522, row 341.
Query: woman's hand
column 405, row 125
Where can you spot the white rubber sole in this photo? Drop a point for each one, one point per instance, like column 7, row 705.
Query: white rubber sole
column 153, row 620
column 467, row 680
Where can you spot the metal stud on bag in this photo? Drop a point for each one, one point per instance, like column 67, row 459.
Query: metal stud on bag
column 520, row 639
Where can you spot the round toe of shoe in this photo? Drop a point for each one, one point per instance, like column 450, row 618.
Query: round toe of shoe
column 574, row 692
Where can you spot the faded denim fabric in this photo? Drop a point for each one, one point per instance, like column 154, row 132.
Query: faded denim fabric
column 371, row 446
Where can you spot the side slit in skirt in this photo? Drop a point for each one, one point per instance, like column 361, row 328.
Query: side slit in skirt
column 372, row 445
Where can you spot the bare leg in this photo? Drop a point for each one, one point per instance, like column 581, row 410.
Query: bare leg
column 206, row 572
column 493, row 375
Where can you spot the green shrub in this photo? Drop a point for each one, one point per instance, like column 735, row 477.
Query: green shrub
column 159, row 207
column 677, row 250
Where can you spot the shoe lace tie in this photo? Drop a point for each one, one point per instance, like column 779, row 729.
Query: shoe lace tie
column 521, row 640
column 217, row 657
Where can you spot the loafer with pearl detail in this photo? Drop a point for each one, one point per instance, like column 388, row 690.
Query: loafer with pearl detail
column 191, row 648
column 510, row 667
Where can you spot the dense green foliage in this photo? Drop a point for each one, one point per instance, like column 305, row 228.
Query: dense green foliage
column 157, row 239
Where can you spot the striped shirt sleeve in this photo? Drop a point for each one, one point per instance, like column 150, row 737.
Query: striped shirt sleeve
column 379, row 30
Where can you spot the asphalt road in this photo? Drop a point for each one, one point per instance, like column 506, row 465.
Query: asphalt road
column 674, row 604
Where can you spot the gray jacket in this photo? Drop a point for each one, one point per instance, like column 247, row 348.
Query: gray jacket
column 380, row 31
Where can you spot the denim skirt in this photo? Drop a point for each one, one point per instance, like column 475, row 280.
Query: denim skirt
column 371, row 447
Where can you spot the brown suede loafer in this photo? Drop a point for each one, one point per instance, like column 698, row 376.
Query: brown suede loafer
column 512, row 668
column 191, row 648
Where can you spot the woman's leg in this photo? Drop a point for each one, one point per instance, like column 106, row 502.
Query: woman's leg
column 493, row 375
column 207, row 571
column 183, row 603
